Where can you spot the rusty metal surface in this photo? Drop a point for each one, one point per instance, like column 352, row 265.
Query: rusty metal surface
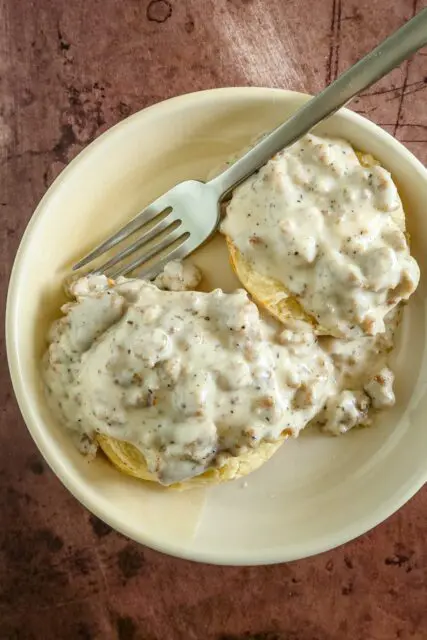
column 68, row 71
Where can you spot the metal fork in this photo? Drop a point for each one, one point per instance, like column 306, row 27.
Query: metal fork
column 179, row 221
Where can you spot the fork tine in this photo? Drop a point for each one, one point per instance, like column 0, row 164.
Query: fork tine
column 158, row 228
column 150, row 212
column 164, row 244
column 177, row 254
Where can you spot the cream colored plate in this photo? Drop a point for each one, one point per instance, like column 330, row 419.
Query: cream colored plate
column 317, row 492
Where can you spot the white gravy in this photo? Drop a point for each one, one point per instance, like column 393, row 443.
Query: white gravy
column 189, row 378
column 192, row 378
column 179, row 276
column 363, row 381
column 330, row 230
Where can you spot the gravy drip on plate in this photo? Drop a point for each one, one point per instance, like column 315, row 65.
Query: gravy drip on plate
column 331, row 230
column 189, row 378
column 179, row 276
column 363, row 380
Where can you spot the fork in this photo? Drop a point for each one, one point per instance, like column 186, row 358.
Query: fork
column 179, row 221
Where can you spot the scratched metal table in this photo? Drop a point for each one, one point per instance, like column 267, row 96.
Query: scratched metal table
column 68, row 71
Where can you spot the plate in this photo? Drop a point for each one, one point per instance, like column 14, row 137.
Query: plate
column 317, row 492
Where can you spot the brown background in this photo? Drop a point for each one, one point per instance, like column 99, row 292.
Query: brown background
column 69, row 69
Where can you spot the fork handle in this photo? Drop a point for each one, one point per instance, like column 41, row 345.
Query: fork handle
column 385, row 57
